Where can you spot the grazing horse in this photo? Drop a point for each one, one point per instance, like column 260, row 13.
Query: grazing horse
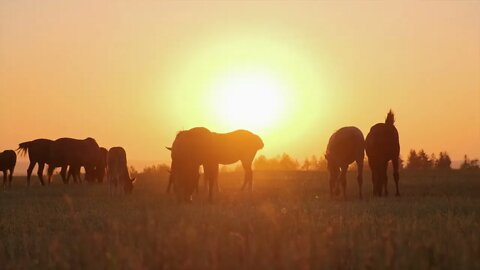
column 99, row 170
column 382, row 145
column 199, row 146
column 8, row 159
column 117, row 170
column 345, row 146
column 38, row 152
column 75, row 153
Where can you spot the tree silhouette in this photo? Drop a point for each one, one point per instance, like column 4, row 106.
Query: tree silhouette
column 413, row 160
column 279, row 163
column 288, row 163
column 443, row 162
column 468, row 164
column 420, row 160
column 306, row 165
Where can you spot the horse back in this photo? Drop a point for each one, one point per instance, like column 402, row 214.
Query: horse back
column 346, row 145
column 382, row 142
column 230, row 147
column 8, row 159
column 69, row 151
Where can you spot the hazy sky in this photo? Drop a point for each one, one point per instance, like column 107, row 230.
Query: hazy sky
column 133, row 73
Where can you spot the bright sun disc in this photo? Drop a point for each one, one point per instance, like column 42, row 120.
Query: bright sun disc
column 251, row 99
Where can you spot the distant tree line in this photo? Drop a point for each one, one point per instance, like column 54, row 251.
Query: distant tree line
column 469, row 164
column 421, row 160
column 417, row 160
column 282, row 162
column 156, row 170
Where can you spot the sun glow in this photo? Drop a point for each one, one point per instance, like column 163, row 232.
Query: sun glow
column 249, row 99
column 263, row 83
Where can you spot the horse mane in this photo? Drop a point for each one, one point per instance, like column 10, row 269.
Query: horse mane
column 390, row 120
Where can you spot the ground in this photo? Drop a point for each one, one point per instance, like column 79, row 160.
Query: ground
column 288, row 222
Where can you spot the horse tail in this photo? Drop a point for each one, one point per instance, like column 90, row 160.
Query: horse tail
column 390, row 120
column 23, row 148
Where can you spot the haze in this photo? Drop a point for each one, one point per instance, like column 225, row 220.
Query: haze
column 134, row 73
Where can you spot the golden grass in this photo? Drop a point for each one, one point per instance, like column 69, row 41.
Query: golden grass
column 289, row 222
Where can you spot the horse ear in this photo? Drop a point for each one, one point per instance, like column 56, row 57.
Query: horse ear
column 168, row 148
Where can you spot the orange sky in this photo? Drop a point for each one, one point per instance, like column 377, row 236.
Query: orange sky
column 133, row 73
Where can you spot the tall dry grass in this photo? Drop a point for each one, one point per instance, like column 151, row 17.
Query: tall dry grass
column 289, row 222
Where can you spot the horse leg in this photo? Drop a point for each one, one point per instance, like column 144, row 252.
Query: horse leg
column 70, row 173
column 29, row 172
column 343, row 180
column 197, row 184
column 375, row 180
column 63, row 174
column 333, row 173
column 76, row 175
column 211, row 172
column 50, row 173
column 248, row 178
column 41, row 165
column 88, row 173
column 4, row 178
column 384, row 177
column 360, row 176
column 109, row 180
column 10, row 177
column 205, row 181
column 396, row 175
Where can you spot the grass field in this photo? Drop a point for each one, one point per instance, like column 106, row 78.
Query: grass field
column 288, row 222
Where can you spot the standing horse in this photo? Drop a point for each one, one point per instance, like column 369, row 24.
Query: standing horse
column 382, row 145
column 38, row 152
column 198, row 146
column 75, row 153
column 345, row 146
column 8, row 159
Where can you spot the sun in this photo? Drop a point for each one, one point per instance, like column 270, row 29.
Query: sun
column 248, row 99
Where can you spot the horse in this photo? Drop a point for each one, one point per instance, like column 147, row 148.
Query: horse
column 117, row 170
column 75, row 153
column 99, row 170
column 8, row 159
column 382, row 145
column 38, row 152
column 345, row 146
column 201, row 147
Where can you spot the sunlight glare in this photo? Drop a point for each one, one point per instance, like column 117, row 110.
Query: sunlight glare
column 249, row 99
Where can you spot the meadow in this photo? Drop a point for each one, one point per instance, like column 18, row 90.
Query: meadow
column 288, row 222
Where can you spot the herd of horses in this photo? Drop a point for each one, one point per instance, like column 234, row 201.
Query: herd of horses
column 200, row 147
column 70, row 155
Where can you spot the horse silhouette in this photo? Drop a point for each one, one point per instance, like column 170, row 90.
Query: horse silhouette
column 99, row 170
column 345, row 146
column 8, row 159
column 75, row 153
column 117, row 171
column 199, row 146
column 382, row 145
column 38, row 152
